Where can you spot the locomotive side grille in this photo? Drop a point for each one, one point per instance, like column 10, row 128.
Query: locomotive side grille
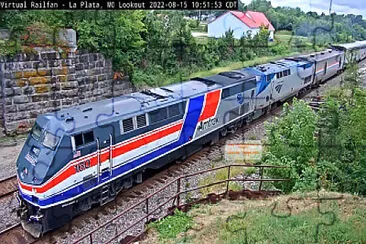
column 127, row 125
column 141, row 120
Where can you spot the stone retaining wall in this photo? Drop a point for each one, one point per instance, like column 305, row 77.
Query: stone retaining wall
column 50, row 80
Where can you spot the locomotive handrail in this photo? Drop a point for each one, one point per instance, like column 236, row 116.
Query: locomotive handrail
column 98, row 159
column 110, row 154
column 176, row 196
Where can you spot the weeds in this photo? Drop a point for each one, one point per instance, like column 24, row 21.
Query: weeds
column 171, row 226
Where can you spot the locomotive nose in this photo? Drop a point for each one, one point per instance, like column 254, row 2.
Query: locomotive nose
column 34, row 162
column 37, row 155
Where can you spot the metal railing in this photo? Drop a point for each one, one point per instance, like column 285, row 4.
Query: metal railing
column 175, row 199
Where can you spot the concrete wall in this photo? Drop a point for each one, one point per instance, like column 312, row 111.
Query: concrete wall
column 31, row 84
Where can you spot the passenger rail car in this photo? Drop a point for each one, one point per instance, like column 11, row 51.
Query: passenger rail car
column 83, row 156
column 354, row 52
column 327, row 64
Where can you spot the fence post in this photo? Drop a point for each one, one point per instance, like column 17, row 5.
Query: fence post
column 178, row 191
column 227, row 180
column 261, row 174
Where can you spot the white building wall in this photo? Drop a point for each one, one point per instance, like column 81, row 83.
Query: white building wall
column 271, row 35
column 218, row 27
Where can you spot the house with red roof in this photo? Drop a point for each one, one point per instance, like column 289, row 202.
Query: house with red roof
column 240, row 23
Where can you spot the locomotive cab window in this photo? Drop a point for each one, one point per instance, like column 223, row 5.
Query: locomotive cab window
column 36, row 131
column 268, row 78
column 83, row 138
column 175, row 110
column 227, row 92
column 50, row 140
column 88, row 137
column 286, row 72
column 158, row 115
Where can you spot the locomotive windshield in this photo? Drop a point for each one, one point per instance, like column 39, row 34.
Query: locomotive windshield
column 47, row 139
column 50, row 140
column 36, row 131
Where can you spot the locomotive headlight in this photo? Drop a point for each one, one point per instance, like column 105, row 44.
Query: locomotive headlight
column 35, row 151
column 24, row 172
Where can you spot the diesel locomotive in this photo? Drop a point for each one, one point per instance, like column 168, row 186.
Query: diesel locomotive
column 83, row 156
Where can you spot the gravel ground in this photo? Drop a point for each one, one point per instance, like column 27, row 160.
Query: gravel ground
column 210, row 158
column 9, row 150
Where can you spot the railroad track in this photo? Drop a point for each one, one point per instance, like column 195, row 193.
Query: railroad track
column 8, row 186
column 15, row 234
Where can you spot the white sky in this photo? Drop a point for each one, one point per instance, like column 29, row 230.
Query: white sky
column 357, row 7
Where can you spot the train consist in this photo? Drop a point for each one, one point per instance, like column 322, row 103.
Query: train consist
column 83, row 156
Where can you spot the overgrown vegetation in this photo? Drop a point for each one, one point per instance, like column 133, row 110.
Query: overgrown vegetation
column 259, row 225
column 222, row 174
column 324, row 150
column 156, row 47
column 277, row 220
column 171, row 226
column 153, row 47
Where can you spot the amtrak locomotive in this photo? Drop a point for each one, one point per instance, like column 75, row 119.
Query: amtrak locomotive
column 83, row 156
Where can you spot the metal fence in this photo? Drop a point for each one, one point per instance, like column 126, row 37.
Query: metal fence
column 173, row 201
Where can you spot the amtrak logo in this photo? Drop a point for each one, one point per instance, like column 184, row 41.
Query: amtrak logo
column 278, row 88
column 204, row 125
column 240, row 98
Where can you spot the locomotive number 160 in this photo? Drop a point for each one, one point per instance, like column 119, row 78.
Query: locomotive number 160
column 82, row 165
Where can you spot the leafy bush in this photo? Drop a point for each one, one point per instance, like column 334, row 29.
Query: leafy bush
column 325, row 151
column 171, row 226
